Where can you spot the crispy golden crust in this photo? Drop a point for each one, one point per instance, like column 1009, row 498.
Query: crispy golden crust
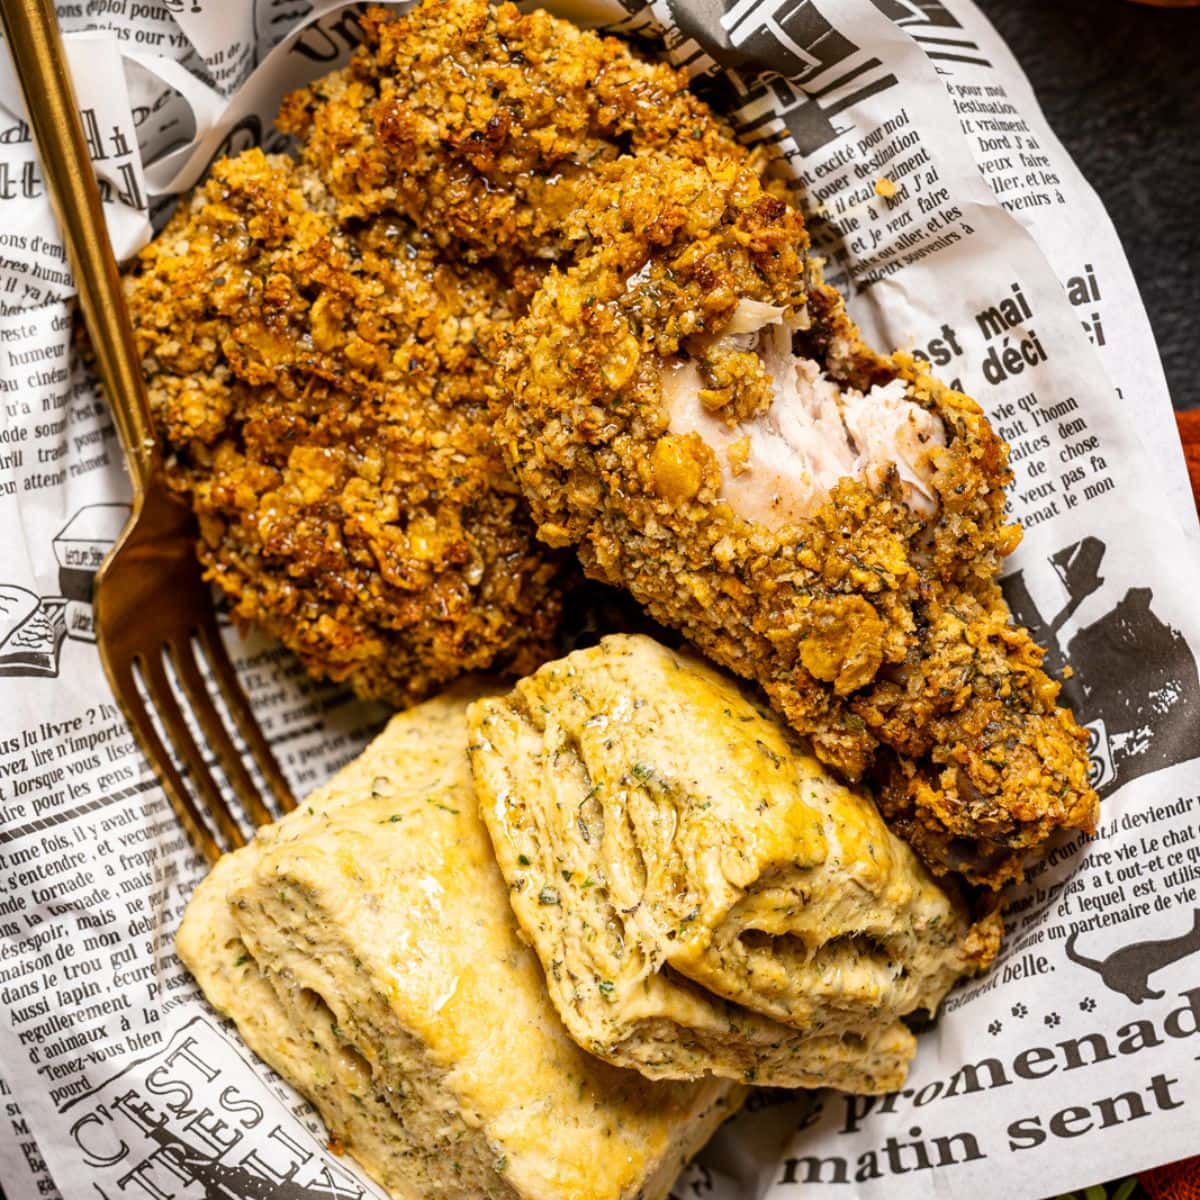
column 995, row 765
column 866, row 623
column 321, row 372
column 322, row 389
column 320, row 366
column 484, row 126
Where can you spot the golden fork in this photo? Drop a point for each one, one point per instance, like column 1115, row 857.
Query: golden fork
column 152, row 607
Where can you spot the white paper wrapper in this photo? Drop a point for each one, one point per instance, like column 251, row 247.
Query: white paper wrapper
column 1075, row 1059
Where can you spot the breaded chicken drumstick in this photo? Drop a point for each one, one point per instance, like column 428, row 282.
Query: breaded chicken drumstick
column 691, row 407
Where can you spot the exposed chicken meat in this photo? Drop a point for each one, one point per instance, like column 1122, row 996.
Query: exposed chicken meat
column 779, row 465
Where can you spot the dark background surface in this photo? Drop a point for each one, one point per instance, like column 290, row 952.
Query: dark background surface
column 1120, row 85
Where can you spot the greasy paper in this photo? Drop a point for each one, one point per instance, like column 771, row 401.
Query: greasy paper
column 960, row 229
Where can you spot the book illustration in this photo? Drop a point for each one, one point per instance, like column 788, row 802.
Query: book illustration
column 79, row 548
column 32, row 629
column 17, row 605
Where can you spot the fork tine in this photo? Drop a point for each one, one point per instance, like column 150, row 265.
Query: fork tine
column 178, row 796
column 159, row 688
column 214, row 648
column 188, row 672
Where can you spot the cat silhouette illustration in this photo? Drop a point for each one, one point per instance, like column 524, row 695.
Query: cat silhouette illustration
column 1128, row 968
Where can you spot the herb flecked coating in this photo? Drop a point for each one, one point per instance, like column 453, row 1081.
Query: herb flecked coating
column 319, row 336
column 879, row 632
column 322, row 389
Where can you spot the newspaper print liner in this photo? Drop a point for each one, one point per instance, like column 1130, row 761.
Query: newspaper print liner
column 960, row 229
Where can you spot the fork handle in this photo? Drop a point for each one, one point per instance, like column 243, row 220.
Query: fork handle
column 41, row 63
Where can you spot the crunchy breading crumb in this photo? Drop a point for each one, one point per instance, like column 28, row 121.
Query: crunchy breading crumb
column 484, row 125
column 322, row 388
column 875, row 625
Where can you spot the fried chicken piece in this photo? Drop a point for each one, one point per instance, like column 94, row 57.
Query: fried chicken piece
column 692, row 408
column 485, row 126
column 320, row 367
column 322, row 389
